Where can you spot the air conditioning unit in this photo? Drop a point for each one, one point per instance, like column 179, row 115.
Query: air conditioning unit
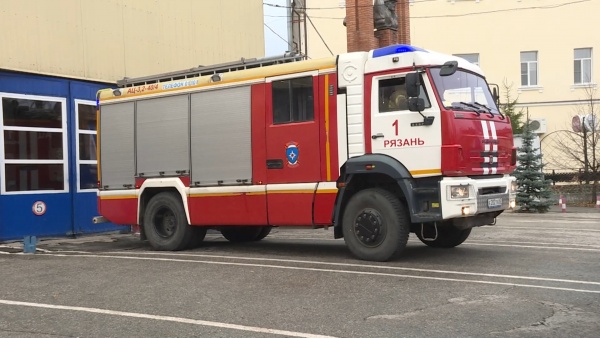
column 538, row 125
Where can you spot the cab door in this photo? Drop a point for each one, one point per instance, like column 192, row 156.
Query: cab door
column 399, row 132
column 293, row 153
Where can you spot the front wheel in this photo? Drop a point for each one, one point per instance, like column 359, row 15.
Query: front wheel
column 375, row 225
column 447, row 237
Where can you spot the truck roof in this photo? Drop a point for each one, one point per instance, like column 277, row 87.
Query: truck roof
column 253, row 75
column 402, row 56
column 381, row 59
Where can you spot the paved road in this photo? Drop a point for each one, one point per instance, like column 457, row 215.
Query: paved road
column 528, row 276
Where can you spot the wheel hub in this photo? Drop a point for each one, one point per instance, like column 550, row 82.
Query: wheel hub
column 369, row 227
column 165, row 223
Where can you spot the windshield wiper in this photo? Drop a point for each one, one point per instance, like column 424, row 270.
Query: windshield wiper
column 477, row 109
column 488, row 109
column 465, row 108
column 483, row 106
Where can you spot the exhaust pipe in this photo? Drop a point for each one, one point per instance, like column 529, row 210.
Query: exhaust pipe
column 99, row 219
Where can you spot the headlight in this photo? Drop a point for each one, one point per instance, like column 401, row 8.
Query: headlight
column 513, row 186
column 459, row 191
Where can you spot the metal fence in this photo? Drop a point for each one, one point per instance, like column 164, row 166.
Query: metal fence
column 575, row 185
column 571, row 176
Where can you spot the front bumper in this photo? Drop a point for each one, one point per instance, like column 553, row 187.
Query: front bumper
column 485, row 195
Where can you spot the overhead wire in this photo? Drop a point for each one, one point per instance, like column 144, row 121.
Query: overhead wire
column 312, row 24
column 274, row 32
column 318, row 33
column 357, row 6
column 552, row 6
column 501, row 10
column 316, row 17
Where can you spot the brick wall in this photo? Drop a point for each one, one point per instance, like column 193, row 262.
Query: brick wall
column 359, row 25
column 361, row 35
column 402, row 10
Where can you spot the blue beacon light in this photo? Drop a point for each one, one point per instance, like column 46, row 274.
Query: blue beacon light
column 396, row 49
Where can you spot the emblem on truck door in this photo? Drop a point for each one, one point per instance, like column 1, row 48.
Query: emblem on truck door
column 292, row 154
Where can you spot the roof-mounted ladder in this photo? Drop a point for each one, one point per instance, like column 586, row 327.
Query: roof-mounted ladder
column 209, row 70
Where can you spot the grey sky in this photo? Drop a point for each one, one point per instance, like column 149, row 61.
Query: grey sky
column 276, row 19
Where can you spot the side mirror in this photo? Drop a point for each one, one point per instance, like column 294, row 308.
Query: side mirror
column 416, row 104
column 413, row 84
column 495, row 94
column 449, row 68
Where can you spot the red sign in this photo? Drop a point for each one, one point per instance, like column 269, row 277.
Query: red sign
column 576, row 123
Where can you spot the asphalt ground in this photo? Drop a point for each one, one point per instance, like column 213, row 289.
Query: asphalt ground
column 530, row 275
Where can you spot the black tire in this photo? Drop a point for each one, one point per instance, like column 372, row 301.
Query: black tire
column 165, row 223
column 239, row 234
column 375, row 225
column 198, row 234
column 264, row 232
column 447, row 237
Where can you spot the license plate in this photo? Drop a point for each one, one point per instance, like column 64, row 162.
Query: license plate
column 495, row 202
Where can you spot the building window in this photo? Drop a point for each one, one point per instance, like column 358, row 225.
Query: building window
column 87, row 164
column 33, row 146
column 472, row 58
column 583, row 65
column 529, row 69
column 293, row 100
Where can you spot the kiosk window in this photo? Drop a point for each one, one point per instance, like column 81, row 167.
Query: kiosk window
column 87, row 163
column 35, row 150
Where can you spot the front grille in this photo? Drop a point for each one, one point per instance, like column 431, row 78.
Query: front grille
column 492, row 190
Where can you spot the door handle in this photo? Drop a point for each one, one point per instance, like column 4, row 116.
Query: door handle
column 376, row 136
column 275, row 164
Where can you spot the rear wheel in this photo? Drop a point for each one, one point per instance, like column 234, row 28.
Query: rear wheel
column 165, row 223
column 447, row 237
column 375, row 225
column 198, row 234
column 243, row 234
column 264, row 232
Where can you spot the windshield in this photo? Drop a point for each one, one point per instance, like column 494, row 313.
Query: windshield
column 464, row 91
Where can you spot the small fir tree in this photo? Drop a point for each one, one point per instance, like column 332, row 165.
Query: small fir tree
column 510, row 109
column 533, row 192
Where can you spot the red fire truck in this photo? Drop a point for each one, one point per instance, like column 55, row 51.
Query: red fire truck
column 376, row 144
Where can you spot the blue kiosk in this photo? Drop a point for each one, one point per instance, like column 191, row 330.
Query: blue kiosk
column 47, row 156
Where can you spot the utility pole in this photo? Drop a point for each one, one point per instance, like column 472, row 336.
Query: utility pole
column 290, row 27
column 298, row 26
column 586, row 161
